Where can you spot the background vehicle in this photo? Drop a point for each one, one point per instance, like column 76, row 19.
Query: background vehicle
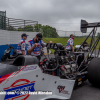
column 7, row 53
column 82, row 48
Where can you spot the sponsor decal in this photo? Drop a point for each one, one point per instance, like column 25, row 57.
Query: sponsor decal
column 80, row 79
column 37, row 52
column 61, row 89
column 29, row 68
column 19, row 90
column 23, row 45
column 63, row 67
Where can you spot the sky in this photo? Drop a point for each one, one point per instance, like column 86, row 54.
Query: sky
column 64, row 15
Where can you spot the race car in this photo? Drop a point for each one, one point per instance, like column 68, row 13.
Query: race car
column 24, row 80
column 56, row 77
column 28, row 79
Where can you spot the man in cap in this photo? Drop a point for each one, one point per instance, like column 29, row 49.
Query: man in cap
column 34, row 45
column 21, row 48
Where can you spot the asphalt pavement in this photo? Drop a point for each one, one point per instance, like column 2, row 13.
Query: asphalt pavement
column 86, row 92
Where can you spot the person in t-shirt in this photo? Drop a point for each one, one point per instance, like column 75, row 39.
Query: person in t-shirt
column 70, row 43
column 34, row 45
column 21, row 47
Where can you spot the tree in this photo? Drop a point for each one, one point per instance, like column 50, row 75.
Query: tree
column 28, row 28
column 20, row 29
column 11, row 28
column 98, row 34
column 47, row 31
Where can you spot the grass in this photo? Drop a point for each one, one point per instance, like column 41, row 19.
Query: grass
column 63, row 41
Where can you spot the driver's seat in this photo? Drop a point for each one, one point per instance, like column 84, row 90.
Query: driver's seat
column 25, row 60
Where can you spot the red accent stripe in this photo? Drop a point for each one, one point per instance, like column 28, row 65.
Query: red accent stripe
column 4, row 77
column 44, row 60
column 53, row 73
column 20, row 80
column 22, row 42
column 33, row 82
column 29, row 40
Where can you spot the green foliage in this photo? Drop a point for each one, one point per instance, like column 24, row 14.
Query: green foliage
column 47, row 31
column 11, row 28
column 20, row 29
column 28, row 28
column 98, row 34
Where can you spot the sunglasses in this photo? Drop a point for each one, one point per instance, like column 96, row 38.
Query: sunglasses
column 39, row 39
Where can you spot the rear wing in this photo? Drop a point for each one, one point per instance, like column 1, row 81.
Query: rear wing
column 85, row 25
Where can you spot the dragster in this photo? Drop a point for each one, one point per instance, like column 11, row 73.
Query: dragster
column 27, row 78
column 24, row 80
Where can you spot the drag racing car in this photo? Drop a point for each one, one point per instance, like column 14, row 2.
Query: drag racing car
column 56, row 77
column 27, row 78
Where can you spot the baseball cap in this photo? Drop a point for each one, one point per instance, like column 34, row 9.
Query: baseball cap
column 24, row 34
column 39, row 36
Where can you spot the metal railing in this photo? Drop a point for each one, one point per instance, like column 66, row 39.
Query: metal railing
column 18, row 24
column 62, row 33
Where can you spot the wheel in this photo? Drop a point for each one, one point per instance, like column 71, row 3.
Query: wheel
column 94, row 72
column 4, row 57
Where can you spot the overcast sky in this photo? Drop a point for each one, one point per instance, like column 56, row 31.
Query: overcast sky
column 61, row 14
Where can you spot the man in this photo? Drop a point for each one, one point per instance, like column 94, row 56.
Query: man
column 85, row 44
column 21, row 48
column 70, row 43
column 34, row 46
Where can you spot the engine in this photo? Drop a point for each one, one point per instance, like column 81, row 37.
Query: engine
column 64, row 63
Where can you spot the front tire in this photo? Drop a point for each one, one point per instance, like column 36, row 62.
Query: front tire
column 3, row 58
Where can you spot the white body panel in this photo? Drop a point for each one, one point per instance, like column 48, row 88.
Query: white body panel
column 30, row 78
column 77, row 46
column 86, row 48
